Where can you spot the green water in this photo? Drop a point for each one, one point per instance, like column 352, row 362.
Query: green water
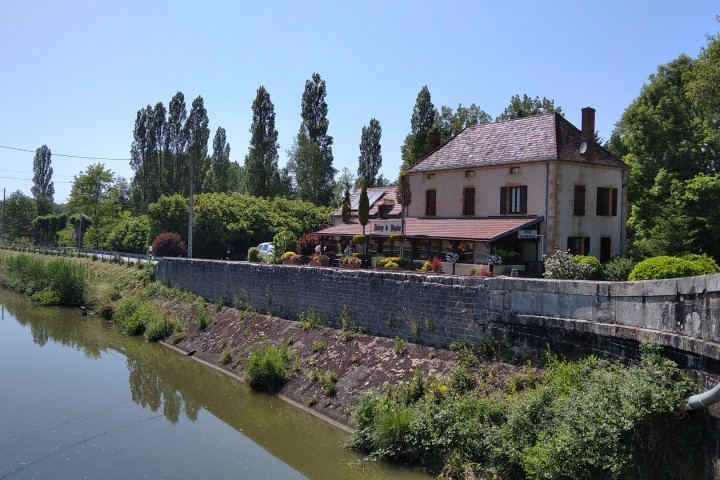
column 78, row 399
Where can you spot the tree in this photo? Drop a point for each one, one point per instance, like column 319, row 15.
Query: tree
column 527, row 107
column 175, row 168
column 404, row 196
column 43, row 188
column 197, row 134
column 364, row 208
column 93, row 193
column 370, row 159
column 417, row 144
column 346, row 207
column 311, row 156
column 218, row 179
column 262, row 175
column 670, row 138
column 20, row 210
column 449, row 123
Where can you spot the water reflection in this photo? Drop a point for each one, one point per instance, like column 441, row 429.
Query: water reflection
column 161, row 380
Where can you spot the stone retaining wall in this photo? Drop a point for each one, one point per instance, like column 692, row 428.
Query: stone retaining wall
column 438, row 309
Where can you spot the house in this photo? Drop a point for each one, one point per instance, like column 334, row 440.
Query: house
column 523, row 188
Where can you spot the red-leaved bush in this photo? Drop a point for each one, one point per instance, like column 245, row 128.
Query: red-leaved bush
column 169, row 244
column 306, row 244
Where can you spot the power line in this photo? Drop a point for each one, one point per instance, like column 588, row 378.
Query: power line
column 23, row 171
column 69, row 156
column 27, row 179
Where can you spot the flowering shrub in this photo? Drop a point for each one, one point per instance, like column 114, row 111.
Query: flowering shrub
column 434, row 265
column 562, row 265
column 452, row 257
column 287, row 255
column 169, row 245
column 351, row 261
column 494, row 259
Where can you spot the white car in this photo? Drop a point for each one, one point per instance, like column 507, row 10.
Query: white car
column 266, row 249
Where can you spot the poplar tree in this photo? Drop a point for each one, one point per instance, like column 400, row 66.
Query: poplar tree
column 311, row 156
column 364, row 208
column 175, row 169
column 262, row 176
column 219, row 174
column 43, row 188
column 197, row 134
column 370, row 159
column 417, row 143
column 346, row 207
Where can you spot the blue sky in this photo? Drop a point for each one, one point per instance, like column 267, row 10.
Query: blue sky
column 74, row 73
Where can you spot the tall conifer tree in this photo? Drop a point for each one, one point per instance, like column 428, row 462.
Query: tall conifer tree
column 262, row 177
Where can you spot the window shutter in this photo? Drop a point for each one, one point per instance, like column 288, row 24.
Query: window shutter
column 430, row 202
column 614, row 201
column 503, row 201
column 523, row 199
column 587, row 246
column 469, row 201
column 579, row 208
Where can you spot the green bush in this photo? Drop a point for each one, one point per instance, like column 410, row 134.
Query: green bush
column 253, row 255
column 266, row 368
column 589, row 267
column 47, row 298
column 618, row 268
column 665, row 267
column 583, row 420
column 159, row 327
column 706, row 265
column 67, row 278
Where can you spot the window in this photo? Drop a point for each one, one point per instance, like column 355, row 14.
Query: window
column 514, row 170
column 469, row 173
column 469, row 201
column 579, row 203
column 513, row 200
column 606, row 201
column 430, row 197
column 431, row 176
column 605, row 251
column 579, row 245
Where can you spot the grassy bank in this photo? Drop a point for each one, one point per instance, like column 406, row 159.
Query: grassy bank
column 589, row 419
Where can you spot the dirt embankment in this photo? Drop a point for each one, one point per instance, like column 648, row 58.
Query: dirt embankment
column 360, row 363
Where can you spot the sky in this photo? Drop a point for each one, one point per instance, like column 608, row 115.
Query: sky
column 73, row 74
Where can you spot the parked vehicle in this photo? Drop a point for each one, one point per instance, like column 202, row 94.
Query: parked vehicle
column 266, row 249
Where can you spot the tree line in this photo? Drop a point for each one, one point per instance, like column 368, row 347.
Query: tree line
column 669, row 136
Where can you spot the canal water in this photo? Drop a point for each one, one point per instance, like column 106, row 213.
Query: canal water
column 78, row 399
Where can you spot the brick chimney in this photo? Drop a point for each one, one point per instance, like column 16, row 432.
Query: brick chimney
column 433, row 141
column 587, row 134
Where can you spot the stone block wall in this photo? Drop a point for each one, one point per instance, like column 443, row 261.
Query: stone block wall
column 438, row 309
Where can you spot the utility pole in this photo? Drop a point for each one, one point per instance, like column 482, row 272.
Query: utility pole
column 191, row 215
column 2, row 227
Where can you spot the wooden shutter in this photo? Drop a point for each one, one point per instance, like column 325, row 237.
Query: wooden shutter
column 469, row 201
column 430, row 197
column 614, row 202
column 587, row 246
column 503, row 201
column 579, row 207
column 523, row 199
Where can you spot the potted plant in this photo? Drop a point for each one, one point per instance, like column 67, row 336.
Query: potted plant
column 290, row 258
column 350, row 261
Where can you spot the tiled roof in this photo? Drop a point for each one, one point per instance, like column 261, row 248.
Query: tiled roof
column 385, row 195
column 476, row 229
column 522, row 140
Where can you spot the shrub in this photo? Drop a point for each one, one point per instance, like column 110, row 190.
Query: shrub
column 307, row 243
column 589, row 267
column 664, row 267
column 481, row 272
column 618, row 268
column 287, row 255
column 159, row 327
column 266, row 368
column 434, row 265
column 67, row 278
column 351, row 260
column 284, row 241
column 201, row 321
column 47, row 298
column 254, row 255
column 358, row 239
column 561, row 265
column 400, row 346
column 169, row 244
column 706, row 265
column 383, row 262
column 309, row 319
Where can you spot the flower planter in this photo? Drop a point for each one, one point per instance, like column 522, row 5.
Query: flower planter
column 349, row 266
column 287, row 261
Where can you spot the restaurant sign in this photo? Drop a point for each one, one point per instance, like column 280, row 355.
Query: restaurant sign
column 386, row 227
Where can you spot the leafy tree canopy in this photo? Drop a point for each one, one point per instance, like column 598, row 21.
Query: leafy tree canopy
column 527, row 107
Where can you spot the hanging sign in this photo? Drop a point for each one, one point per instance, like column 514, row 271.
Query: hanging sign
column 526, row 234
column 386, row 227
